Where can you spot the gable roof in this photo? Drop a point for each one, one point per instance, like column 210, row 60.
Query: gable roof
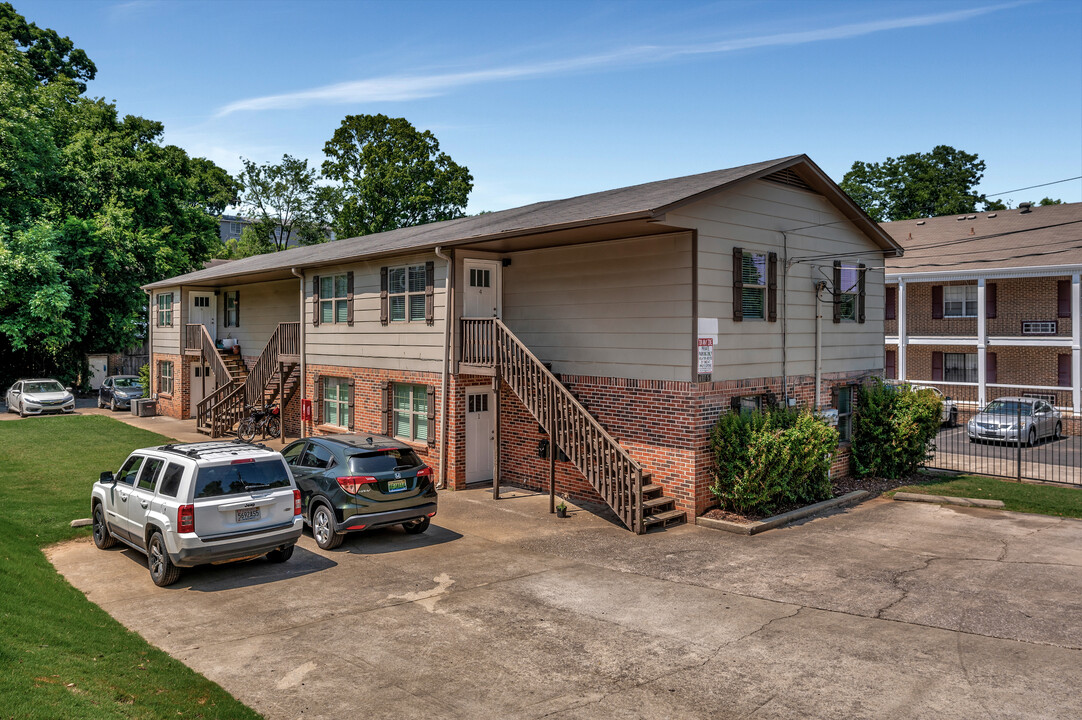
column 1046, row 236
column 648, row 201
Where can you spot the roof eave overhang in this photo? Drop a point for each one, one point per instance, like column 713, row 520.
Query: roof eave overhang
column 976, row 273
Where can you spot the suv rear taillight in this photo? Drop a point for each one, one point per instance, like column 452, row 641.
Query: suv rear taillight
column 352, row 483
column 296, row 502
column 186, row 519
column 425, row 472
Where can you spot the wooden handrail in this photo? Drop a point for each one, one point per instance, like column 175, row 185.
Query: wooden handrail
column 609, row 468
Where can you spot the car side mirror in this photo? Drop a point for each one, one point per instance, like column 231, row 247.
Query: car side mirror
column 947, row 399
column 68, row 389
column 106, row 477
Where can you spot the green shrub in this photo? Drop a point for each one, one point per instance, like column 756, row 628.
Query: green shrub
column 893, row 429
column 144, row 379
column 765, row 461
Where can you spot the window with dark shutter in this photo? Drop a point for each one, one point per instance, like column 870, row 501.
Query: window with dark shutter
column 890, row 369
column 352, row 395
column 315, row 301
column 990, row 301
column 1064, row 370
column 772, row 287
column 937, row 365
column 384, row 310
column 991, row 368
column 861, row 292
column 937, row 302
column 836, row 295
column 349, row 309
column 891, row 309
column 431, row 395
column 738, row 284
column 430, row 292
column 1063, row 293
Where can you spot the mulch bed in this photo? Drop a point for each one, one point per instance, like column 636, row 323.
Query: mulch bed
column 875, row 486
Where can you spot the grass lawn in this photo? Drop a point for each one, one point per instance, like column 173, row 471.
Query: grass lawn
column 61, row 655
column 1022, row 497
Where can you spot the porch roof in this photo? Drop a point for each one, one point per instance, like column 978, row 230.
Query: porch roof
column 639, row 204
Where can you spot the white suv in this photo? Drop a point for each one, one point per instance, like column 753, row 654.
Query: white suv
column 198, row 503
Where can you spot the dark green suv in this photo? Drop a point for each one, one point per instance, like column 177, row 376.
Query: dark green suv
column 350, row 483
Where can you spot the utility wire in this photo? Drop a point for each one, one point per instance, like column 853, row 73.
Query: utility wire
column 1056, row 182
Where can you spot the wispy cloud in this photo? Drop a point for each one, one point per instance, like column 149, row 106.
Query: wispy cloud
column 394, row 88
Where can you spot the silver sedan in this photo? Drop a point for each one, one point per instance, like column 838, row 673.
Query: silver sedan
column 35, row 397
column 1014, row 419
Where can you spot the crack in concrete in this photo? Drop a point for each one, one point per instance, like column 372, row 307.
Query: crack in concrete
column 895, row 581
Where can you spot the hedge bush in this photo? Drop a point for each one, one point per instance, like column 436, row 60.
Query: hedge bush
column 768, row 461
column 893, row 429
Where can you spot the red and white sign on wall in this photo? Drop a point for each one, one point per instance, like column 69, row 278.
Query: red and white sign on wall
column 706, row 355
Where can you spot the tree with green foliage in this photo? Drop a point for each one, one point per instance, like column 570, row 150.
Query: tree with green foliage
column 918, row 185
column 391, row 176
column 50, row 55
column 894, row 429
column 287, row 201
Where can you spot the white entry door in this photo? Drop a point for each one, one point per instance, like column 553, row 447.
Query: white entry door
column 99, row 370
column 203, row 310
column 480, row 435
column 196, row 392
column 482, row 289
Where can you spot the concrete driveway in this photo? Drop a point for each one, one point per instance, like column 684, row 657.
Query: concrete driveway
column 501, row 611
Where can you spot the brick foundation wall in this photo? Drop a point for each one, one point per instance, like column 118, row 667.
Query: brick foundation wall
column 175, row 404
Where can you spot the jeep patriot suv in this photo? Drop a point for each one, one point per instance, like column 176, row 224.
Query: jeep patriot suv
column 199, row 503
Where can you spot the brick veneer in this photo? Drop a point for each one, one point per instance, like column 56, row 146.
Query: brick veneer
column 174, row 404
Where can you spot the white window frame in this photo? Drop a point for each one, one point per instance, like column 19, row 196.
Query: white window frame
column 968, row 367
column 410, row 299
column 751, row 287
column 165, row 381
column 341, row 406
column 848, row 294
column 1039, row 327
column 335, row 301
column 845, row 419
column 229, row 314
column 968, row 305
column 418, row 419
column 165, row 309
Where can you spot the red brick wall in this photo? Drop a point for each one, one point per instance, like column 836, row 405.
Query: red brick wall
column 173, row 404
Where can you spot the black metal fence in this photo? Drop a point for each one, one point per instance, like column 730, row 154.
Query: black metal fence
column 1019, row 432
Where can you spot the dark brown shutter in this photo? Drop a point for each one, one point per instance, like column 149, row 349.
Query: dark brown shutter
column 384, row 310
column 236, row 306
column 991, row 368
column 990, row 300
column 1063, row 294
column 861, row 291
column 430, row 292
column 837, row 289
column 738, row 284
column 352, row 394
column 734, row 403
column 937, row 302
column 317, row 404
column 772, row 287
column 937, row 365
column 349, row 306
column 430, row 392
column 315, row 300
column 890, row 369
column 385, row 404
column 891, row 308
column 1064, row 370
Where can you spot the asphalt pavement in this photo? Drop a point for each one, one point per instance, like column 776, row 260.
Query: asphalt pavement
column 1052, row 460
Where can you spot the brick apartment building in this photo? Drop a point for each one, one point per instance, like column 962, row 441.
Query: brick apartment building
column 987, row 304
column 591, row 341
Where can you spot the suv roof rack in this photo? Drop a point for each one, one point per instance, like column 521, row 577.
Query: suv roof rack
column 199, row 449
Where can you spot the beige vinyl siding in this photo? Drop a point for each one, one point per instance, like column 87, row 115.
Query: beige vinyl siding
column 262, row 307
column 414, row 346
column 166, row 340
column 752, row 216
column 615, row 309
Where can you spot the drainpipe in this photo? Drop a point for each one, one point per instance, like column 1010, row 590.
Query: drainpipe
column 785, row 321
column 448, row 312
column 304, row 376
column 819, row 287
column 150, row 343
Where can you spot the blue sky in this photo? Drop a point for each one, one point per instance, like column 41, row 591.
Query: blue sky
column 553, row 99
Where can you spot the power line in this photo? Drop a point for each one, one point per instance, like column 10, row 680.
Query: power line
column 1056, row 182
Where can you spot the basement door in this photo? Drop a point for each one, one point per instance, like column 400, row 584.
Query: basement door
column 196, row 386
column 480, row 435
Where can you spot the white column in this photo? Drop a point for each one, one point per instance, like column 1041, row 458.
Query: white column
column 982, row 343
column 1076, row 347
column 903, row 335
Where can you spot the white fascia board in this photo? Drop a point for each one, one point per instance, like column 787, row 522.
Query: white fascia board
column 989, row 273
column 1052, row 341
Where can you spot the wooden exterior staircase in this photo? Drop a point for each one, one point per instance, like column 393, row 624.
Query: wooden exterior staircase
column 614, row 474
column 275, row 376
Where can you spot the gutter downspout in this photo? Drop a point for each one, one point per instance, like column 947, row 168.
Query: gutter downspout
column 785, row 320
column 449, row 310
column 304, row 364
column 150, row 344
column 819, row 287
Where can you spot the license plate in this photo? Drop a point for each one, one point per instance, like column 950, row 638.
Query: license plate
column 396, row 485
column 246, row 515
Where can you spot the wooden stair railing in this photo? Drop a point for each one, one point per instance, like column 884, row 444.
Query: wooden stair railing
column 609, row 468
column 230, row 406
column 196, row 337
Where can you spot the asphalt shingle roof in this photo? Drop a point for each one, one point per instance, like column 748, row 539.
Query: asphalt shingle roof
column 1048, row 235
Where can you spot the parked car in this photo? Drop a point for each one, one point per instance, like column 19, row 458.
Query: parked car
column 948, row 411
column 39, row 396
column 119, row 390
column 1013, row 418
column 350, row 483
column 198, row 503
